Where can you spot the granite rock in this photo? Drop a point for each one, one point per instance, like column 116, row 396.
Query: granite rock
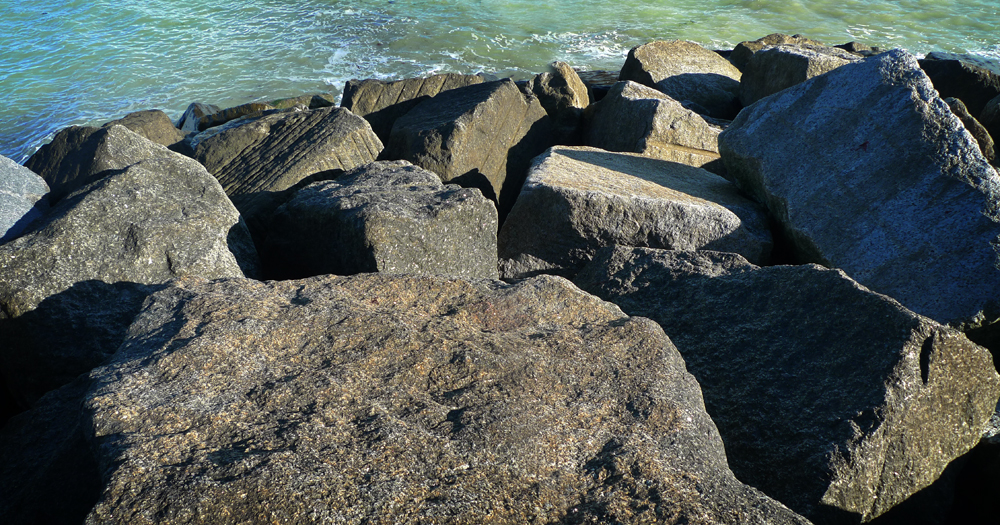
column 775, row 68
column 744, row 51
column 977, row 130
column 959, row 77
column 22, row 198
column 564, row 96
column 154, row 125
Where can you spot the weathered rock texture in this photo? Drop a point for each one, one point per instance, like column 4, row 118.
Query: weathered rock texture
column 79, row 155
column 218, row 118
column 481, row 136
column 775, row 68
column 564, row 96
column 389, row 216
column 22, row 198
column 267, row 155
column 382, row 103
column 743, row 51
column 640, row 119
column 700, row 79
column 964, row 80
column 391, row 399
column 319, row 100
column 982, row 136
column 193, row 114
column 884, row 182
column 153, row 124
column 151, row 222
column 836, row 401
column 577, row 200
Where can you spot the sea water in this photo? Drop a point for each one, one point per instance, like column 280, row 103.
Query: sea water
column 65, row 62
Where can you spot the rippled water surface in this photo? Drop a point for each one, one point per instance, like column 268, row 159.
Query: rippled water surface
column 87, row 62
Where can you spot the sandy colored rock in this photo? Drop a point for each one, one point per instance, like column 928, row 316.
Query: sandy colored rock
column 743, row 51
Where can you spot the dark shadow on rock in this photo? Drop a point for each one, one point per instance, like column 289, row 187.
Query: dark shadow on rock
column 68, row 334
column 977, row 490
column 475, row 179
column 8, row 407
column 519, row 157
column 933, row 504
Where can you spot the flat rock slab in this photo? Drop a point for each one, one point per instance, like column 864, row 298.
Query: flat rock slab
column 832, row 399
column 687, row 72
column 388, row 216
column 578, row 199
column 868, row 170
column 79, row 155
column 481, row 136
column 274, row 152
column 778, row 67
column 149, row 223
column 404, row 399
column 22, row 198
column 640, row 119
column 381, row 103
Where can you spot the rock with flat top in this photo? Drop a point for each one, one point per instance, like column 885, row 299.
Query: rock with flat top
column 743, row 51
column 388, row 216
column 775, row 68
column 836, row 401
column 390, row 399
column 153, row 124
column 579, row 199
column 884, row 182
column 640, row 119
column 697, row 77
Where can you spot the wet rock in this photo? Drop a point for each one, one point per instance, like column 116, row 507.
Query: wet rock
column 394, row 399
column 775, row 68
column 640, row 119
column 149, row 223
column 743, row 51
column 957, row 76
column 578, row 199
column 261, row 157
column 79, row 155
column 832, row 399
column 482, row 136
column 382, row 103
column 883, row 182
column 564, row 97
column 192, row 116
column 22, row 198
column 154, row 125
column 388, row 216
column 698, row 78
column 973, row 126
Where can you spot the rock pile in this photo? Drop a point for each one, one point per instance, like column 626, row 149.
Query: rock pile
column 294, row 312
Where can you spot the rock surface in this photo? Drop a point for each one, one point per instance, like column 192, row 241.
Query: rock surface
column 261, row 157
column 564, row 96
column 193, row 114
column 640, row 119
column 964, row 80
column 149, row 223
column 884, row 182
column 22, row 198
column 388, row 216
column 398, row 399
column 834, row 400
column 699, row 78
column 382, row 103
column 482, row 136
column 775, row 68
column 79, row 155
column 154, row 125
column 579, row 199
column 982, row 136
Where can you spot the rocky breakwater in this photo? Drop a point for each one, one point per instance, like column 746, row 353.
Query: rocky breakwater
column 291, row 312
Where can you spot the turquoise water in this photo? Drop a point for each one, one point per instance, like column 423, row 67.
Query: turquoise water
column 86, row 62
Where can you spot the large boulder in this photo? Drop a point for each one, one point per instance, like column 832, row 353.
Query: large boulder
column 697, row 77
column 79, row 155
column 961, row 77
column 22, row 198
column 832, row 399
column 744, row 51
column 381, row 103
column 564, row 96
column 481, row 136
column 85, row 262
column 640, row 119
column 867, row 169
column 775, row 68
column 153, row 124
column 261, row 157
column 188, row 123
column 388, row 216
column 579, row 199
column 403, row 399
